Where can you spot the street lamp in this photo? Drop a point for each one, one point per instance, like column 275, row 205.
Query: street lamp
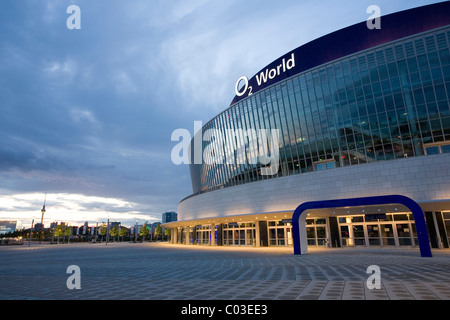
column 54, row 227
column 65, row 228
column 135, row 231
column 31, row 231
column 107, row 231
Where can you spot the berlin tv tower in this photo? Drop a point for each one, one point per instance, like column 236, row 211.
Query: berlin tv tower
column 43, row 210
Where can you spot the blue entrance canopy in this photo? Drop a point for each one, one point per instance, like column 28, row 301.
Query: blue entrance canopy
column 299, row 230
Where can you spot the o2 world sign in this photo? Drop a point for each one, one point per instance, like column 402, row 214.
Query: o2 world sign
column 264, row 76
column 324, row 49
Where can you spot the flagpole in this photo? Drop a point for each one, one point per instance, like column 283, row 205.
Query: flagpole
column 107, row 232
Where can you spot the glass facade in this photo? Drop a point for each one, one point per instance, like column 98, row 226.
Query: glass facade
column 385, row 103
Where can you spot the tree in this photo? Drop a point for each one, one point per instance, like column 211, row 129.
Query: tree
column 145, row 230
column 123, row 232
column 48, row 233
column 102, row 231
column 59, row 231
column 114, row 232
column 167, row 232
column 158, row 231
column 68, row 232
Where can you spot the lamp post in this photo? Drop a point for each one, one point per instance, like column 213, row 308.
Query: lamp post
column 31, row 231
column 135, row 231
column 107, row 231
column 65, row 228
column 53, row 236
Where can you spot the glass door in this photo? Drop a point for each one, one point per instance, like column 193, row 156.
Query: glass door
column 311, row 236
column 236, row 237
column 404, row 234
column 387, row 234
column 229, row 237
column 321, row 232
column 446, row 216
column 290, row 241
column 242, row 237
column 250, row 237
column 358, row 235
column 316, row 232
column 373, row 233
column 242, row 234
column 273, row 237
column 345, row 236
column 280, row 236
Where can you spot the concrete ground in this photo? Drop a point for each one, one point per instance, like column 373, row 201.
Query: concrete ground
column 161, row 271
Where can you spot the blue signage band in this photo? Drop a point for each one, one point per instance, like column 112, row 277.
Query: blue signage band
column 344, row 42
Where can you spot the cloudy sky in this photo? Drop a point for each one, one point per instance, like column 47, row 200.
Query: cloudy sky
column 86, row 115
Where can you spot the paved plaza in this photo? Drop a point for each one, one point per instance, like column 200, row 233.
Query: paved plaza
column 162, row 271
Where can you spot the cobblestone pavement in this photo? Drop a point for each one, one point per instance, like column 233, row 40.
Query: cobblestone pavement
column 161, row 271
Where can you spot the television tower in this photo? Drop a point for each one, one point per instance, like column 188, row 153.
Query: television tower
column 43, row 210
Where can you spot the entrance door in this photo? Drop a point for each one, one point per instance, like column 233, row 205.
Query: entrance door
column 228, row 237
column 311, row 236
column 280, row 233
column 316, row 232
column 358, row 235
column 321, row 232
column 250, row 237
column 387, row 233
column 345, row 237
column 289, row 236
column 373, row 234
column 280, row 237
column 404, row 234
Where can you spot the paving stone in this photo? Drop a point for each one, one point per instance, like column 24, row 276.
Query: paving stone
column 160, row 271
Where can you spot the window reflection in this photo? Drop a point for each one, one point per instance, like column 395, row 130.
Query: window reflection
column 373, row 106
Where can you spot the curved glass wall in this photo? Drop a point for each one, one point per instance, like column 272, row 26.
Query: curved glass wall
column 385, row 103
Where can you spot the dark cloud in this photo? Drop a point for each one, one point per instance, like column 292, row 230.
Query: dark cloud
column 91, row 111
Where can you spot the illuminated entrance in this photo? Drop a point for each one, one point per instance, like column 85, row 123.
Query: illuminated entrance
column 299, row 220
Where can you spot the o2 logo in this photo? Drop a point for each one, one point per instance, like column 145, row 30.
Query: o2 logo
column 244, row 88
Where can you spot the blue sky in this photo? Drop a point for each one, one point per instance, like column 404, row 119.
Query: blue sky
column 86, row 115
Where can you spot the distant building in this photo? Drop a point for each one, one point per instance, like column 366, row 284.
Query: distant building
column 114, row 224
column 38, row 226
column 169, row 217
column 7, row 226
column 135, row 228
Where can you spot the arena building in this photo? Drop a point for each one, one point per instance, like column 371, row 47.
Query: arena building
column 358, row 113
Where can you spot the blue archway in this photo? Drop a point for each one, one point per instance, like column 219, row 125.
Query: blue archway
column 300, row 247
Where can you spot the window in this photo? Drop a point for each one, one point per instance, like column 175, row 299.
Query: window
column 437, row 148
column 445, row 148
column 357, row 219
column 432, row 150
column 324, row 165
